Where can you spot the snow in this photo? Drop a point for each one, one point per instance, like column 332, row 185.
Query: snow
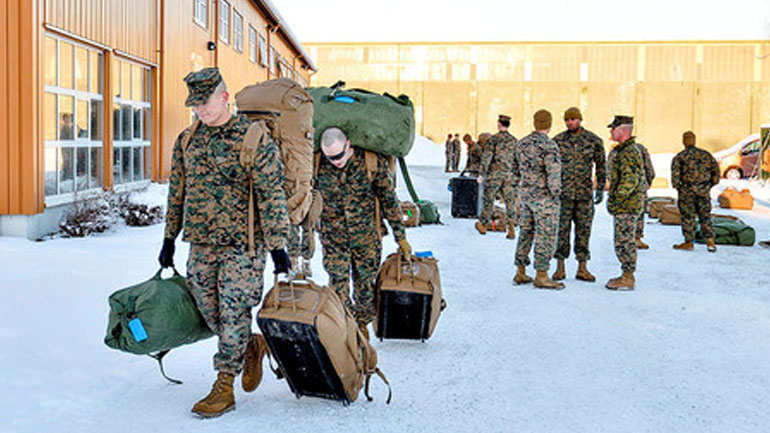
column 687, row 351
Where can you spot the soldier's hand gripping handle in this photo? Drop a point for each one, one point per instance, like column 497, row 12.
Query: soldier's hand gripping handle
column 281, row 261
column 166, row 257
column 405, row 248
column 598, row 196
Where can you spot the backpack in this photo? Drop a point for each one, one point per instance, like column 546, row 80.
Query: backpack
column 670, row 215
column 655, row 205
column 410, row 214
column 731, row 198
column 316, row 342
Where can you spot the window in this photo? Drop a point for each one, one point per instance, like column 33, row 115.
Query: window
column 237, row 31
column 272, row 61
column 72, row 116
column 132, row 128
column 224, row 21
column 201, row 10
column 252, row 44
column 262, row 51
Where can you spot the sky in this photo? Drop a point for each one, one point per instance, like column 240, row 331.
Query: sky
column 542, row 20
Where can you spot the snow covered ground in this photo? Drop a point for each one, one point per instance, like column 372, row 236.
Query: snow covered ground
column 687, row 351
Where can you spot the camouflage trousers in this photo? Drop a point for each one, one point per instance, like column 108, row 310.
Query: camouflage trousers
column 449, row 161
column 455, row 162
column 539, row 221
column 581, row 213
column 692, row 205
column 301, row 242
column 358, row 255
column 625, row 243
column 640, row 220
column 493, row 185
column 226, row 283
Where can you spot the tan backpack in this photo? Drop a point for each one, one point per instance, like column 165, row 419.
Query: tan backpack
column 655, row 205
column 670, row 215
column 731, row 198
column 410, row 214
column 316, row 342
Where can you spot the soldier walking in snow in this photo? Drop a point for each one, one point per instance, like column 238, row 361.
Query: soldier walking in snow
column 495, row 173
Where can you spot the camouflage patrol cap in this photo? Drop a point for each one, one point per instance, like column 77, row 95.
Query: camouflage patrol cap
column 688, row 138
column 503, row 118
column 621, row 120
column 201, row 84
column 573, row 113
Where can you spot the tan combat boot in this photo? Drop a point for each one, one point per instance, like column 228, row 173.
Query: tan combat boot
column 711, row 245
column 252, row 366
column 543, row 282
column 521, row 276
column 560, row 274
column 481, row 228
column 583, row 274
column 623, row 282
column 511, row 231
column 687, row 246
column 640, row 245
column 220, row 400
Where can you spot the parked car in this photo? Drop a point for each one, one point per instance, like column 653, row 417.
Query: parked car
column 740, row 160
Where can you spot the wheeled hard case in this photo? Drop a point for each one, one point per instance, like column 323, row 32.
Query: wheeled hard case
column 467, row 196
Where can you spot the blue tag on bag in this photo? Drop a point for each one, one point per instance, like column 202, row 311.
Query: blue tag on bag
column 423, row 254
column 345, row 99
column 138, row 330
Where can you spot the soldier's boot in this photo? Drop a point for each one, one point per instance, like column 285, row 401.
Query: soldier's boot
column 256, row 350
column 623, row 282
column 711, row 245
column 686, row 245
column 511, row 231
column 560, row 273
column 481, row 228
column 543, row 282
column 305, row 268
column 583, row 274
column 640, row 245
column 521, row 276
column 220, row 400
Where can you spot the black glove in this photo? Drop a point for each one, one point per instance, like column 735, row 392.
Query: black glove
column 598, row 196
column 166, row 257
column 281, row 261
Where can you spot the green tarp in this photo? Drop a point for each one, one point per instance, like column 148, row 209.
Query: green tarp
column 728, row 231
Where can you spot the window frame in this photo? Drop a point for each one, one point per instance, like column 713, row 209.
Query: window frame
column 263, row 50
column 224, row 22
column 253, row 44
column 237, row 32
column 142, row 144
column 201, row 5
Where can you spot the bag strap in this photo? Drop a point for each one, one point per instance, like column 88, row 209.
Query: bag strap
column 248, row 147
column 370, row 162
column 159, row 357
column 384, row 379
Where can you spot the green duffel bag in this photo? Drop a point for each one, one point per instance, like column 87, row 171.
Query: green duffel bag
column 153, row 317
column 428, row 212
column 380, row 123
column 728, row 231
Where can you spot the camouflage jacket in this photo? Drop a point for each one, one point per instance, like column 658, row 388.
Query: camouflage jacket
column 537, row 168
column 627, row 181
column 473, row 163
column 208, row 192
column 348, row 198
column 498, row 155
column 580, row 152
column 649, row 170
column 449, row 147
column 695, row 171
column 456, row 148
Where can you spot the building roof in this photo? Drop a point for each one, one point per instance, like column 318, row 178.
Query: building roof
column 283, row 27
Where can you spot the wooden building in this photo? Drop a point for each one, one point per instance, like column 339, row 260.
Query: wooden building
column 92, row 97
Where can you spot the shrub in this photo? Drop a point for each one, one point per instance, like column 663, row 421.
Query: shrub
column 87, row 216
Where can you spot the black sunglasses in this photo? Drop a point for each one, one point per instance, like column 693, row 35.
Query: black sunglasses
column 338, row 156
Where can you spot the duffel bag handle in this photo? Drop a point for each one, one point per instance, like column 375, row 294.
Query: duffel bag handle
column 398, row 268
column 158, row 275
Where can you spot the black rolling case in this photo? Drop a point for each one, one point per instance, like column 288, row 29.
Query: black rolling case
column 467, row 196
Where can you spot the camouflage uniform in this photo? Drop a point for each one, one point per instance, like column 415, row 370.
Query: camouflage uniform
column 693, row 173
column 208, row 197
column 579, row 152
column 473, row 162
column 349, row 237
column 456, row 150
column 537, row 176
column 626, row 198
column 496, row 163
column 649, row 176
column 449, row 154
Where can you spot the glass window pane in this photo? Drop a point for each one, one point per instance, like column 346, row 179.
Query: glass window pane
column 138, row 123
column 116, row 177
column 95, row 74
column 81, row 69
column 147, row 163
column 49, row 67
column 125, row 159
column 66, row 53
column 66, row 119
column 51, row 161
column 116, row 123
column 49, row 116
column 146, row 121
column 95, row 170
column 137, row 75
column 128, row 124
column 262, row 51
column 81, row 168
column 138, row 163
column 96, row 120
column 82, row 119
column 116, row 79
column 67, row 170
column 125, row 87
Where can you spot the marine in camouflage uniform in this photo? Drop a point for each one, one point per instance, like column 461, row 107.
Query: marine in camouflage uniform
column 581, row 152
column 473, row 160
column 536, row 167
column 649, row 176
column 456, row 149
column 350, row 231
column 694, row 172
column 208, row 199
column 495, row 173
column 449, row 153
column 626, row 197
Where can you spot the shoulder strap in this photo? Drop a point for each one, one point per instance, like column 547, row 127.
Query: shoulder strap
column 370, row 161
column 187, row 138
column 249, row 146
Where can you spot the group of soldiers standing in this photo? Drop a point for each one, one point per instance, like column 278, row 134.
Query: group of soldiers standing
column 548, row 188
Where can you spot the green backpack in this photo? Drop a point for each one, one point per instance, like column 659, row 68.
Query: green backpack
column 728, row 231
column 153, row 317
column 428, row 212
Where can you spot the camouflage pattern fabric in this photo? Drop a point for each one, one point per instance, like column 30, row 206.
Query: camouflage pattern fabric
column 581, row 213
column 226, row 283
column 208, row 191
column 498, row 154
column 300, row 242
column 200, row 85
column 473, row 161
column 351, row 244
column 649, row 176
column 694, row 172
column 627, row 179
column 449, row 154
column 538, row 221
column 692, row 205
column 456, row 149
column 494, row 186
column 639, row 232
column 581, row 153
column 625, row 243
